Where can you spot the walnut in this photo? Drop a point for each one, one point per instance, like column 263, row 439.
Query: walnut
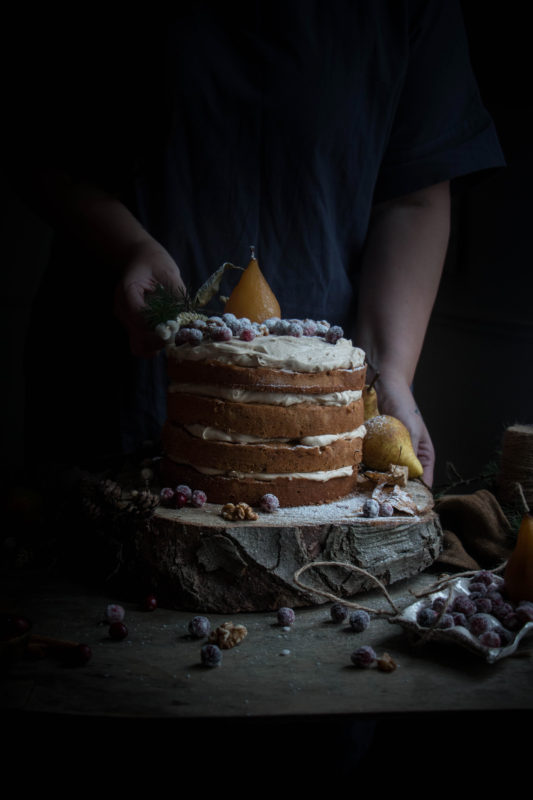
column 239, row 511
column 386, row 663
column 228, row 635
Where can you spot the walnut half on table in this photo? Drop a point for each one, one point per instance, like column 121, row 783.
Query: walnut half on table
column 239, row 511
column 228, row 635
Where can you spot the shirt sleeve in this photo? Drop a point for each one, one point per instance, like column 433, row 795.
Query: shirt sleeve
column 441, row 129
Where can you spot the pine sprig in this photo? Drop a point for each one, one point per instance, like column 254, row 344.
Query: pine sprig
column 166, row 303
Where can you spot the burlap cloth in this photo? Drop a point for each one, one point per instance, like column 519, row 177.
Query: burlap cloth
column 477, row 534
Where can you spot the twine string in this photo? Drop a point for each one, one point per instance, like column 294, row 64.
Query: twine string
column 335, row 598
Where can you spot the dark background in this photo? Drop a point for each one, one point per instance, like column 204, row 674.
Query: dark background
column 474, row 377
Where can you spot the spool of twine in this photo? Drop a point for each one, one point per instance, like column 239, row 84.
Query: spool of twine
column 516, row 465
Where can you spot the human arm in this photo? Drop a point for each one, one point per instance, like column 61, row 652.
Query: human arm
column 402, row 266
column 104, row 226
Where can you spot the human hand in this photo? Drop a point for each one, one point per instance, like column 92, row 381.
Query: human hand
column 149, row 267
column 396, row 399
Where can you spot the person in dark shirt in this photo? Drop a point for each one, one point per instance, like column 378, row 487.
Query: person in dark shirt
column 327, row 135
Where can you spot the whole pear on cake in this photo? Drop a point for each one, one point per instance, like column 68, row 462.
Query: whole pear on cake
column 252, row 297
column 387, row 441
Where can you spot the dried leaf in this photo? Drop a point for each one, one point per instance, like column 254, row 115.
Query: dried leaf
column 398, row 499
column 212, row 285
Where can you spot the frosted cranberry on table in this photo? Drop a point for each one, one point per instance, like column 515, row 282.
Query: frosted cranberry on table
column 286, row 617
column 269, row 503
column 198, row 498
column 338, row 612
column 150, row 602
column 211, row 655
column 114, row 613
column 364, row 657
column 118, row 631
column 199, row 627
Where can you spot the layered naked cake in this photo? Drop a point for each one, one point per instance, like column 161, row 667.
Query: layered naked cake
column 279, row 414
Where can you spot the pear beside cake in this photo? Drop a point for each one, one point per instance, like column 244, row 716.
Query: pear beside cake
column 256, row 408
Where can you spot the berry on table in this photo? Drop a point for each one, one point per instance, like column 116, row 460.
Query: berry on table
column 386, row 509
column 166, row 496
column 338, row 612
column 150, row 602
column 198, row 498
column 269, row 503
column 118, row 631
column 359, row 620
column 185, row 490
column 286, row 616
column 114, row 613
column 364, row 656
column 370, row 508
column 199, row 627
column 211, row 655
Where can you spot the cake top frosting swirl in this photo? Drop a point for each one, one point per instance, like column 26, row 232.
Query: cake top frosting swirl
column 299, row 354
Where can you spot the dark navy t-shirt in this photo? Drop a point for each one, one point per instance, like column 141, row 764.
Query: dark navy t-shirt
column 276, row 124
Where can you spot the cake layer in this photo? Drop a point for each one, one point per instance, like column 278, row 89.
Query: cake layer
column 270, row 457
column 295, row 491
column 266, row 379
column 262, row 420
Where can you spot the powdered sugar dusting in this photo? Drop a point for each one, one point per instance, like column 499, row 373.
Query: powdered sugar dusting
column 342, row 511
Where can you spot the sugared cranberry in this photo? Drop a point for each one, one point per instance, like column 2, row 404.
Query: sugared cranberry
column 166, row 496
column 247, row 334
column 426, row 617
column 359, row 620
column 370, row 508
column 490, row 639
column 211, row 655
column 114, row 613
column 286, row 616
column 269, row 503
column 198, row 498
column 150, row 602
column 295, row 329
column 338, row 612
column 117, row 631
column 199, row 627
column 364, row 656
column 221, row 333
column 334, row 334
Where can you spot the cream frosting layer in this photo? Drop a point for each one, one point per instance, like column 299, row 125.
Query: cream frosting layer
column 289, row 353
column 215, row 435
column 321, row 475
column 266, row 398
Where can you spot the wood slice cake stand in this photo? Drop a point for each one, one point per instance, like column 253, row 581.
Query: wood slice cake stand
column 194, row 559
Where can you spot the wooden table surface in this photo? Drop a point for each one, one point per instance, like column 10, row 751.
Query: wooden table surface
column 278, row 691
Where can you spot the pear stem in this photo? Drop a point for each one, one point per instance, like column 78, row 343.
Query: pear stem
column 252, row 252
column 372, row 382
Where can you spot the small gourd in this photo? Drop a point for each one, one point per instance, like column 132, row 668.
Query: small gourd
column 518, row 574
